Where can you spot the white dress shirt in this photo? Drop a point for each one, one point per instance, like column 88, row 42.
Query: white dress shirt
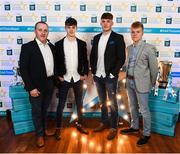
column 47, row 56
column 71, row 60
column 101, row 50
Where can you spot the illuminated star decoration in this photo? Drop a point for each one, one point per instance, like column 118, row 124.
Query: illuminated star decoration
column 121, row 112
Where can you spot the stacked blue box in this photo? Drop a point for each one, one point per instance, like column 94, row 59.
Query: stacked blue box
column 23, row 127
column 21, row 104
column 164, row 112
column 17, row 92
column 23, row 115
column 21, row 111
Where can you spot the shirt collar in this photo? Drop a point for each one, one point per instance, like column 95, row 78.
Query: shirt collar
column 138, row 44
column 40, row 43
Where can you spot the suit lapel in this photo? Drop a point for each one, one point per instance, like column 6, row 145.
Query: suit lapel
column 79, row 50
column 37, row 49
column 129, row 49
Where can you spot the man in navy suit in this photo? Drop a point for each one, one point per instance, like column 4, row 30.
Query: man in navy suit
column 72, row 69
column 106, row 59
column 37, row 69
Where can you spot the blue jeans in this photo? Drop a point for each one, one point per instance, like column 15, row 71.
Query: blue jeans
column 40, row 105
column 139, row 99
column 107, row 86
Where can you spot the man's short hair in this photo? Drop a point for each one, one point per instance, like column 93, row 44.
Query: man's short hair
column 107, row 16
column 40, row 22
column 71, row 22
column 137, row 24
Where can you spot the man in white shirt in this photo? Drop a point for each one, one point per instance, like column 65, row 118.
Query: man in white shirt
column 72, row 69
column 106, row 59
column 37, row 69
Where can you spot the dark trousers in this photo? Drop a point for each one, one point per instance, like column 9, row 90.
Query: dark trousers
column 63, row 91
column 107, row 86
column 40, row 105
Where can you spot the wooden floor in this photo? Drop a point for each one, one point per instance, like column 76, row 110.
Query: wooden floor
column 74, row 142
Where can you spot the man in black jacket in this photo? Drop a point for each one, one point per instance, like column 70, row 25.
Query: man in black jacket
column 106, row 59
column 37, row 69
column 72, row 69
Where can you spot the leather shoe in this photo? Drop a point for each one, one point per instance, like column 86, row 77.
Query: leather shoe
column 58, row 134
column 143, row 140
column 81, row 129
column 112, row 134
column 40, row 141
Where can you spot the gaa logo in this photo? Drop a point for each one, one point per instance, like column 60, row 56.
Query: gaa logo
column 32, row 6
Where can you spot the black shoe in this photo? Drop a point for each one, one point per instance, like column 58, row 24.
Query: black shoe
column 81, row 129
column 129, row 131
column 58, row 134
column 100, row 128
column 112, row 134
column 143, row 140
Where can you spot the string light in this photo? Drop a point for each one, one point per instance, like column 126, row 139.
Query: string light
column 83, row 110
column 119, row 96
column 124, row 80
column 108, row 145
column 85, row 86
column 108, row 103
column 74, row 134
column 91, row 144
column 84, row 139
column 74, row 116
column 125, row 117
column 91, row 104
column 99, row 148
column 121, row 141
column 122, row 107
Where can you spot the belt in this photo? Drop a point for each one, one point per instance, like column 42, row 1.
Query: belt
column 50, row 78
column 130, row 77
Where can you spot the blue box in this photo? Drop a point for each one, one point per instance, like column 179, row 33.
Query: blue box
column 164, row 118
column 161, row 93
column 21, row 104
column 162, row 129
column 23, row 115
column 23, row 127
column 18, row 92
column 163, row 106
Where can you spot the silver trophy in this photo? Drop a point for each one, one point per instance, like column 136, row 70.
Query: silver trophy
column 17, row 79
column 164, row 70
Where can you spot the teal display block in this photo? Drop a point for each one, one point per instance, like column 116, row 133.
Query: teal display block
column 23, row 127
column 163, row 106
column 161, row 93
column 17, row 92
column 162, row 129
column 21, row 104
column 18, row 116
column 164, row 118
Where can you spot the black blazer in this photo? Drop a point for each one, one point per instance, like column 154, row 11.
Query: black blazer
column 32, row 66
column 114, row 56
column 82, row 58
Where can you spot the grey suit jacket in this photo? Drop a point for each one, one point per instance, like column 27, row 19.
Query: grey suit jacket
column 146, row 67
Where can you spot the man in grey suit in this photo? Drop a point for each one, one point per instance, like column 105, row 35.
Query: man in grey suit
column 142, row 70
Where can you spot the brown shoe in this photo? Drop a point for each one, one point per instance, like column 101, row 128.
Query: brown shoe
column 58, row 134
column 112, row 134
column 40, row 141
column 49, row 133
column 81, row 129
column 100, row 128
